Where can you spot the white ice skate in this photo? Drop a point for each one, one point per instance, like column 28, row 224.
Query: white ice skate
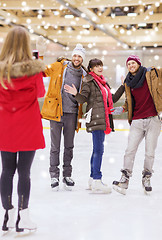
column 90, row 184
column 99, row 187
column 24, row 221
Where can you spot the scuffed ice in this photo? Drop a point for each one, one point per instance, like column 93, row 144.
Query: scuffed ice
column 80, row 215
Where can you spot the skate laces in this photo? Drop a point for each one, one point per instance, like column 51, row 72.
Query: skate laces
column 123, row 178
column 146, row 181
column 68, row 179
column 54, row 180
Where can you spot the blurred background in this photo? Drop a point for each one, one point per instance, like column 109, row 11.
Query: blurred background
column 109, row 30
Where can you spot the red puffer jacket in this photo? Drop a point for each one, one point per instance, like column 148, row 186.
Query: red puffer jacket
column 20, row 119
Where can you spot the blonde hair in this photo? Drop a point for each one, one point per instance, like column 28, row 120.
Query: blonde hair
column 16, row 48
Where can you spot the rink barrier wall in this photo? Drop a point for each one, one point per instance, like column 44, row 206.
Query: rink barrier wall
column 116, row 129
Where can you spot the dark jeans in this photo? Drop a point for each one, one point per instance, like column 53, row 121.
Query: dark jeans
column 9, row 165
column 68, row 125
column 98, row 137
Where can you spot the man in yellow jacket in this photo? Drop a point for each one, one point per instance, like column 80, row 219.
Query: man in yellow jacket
column 143, row 88
column 61, row 109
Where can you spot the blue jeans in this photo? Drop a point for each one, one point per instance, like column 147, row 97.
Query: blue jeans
column 98, row 137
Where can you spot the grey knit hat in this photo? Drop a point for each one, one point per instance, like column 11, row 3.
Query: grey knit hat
column 79, row 50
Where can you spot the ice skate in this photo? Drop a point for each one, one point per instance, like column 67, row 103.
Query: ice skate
column 68, row 183
column 122, row 185
column 9, row 220
column 99, row 187
column 146, row 182
column 24, row 222
column 90, row 183
column 54, row 184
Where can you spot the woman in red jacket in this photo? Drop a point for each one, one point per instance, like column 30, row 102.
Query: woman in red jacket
column 21, row 134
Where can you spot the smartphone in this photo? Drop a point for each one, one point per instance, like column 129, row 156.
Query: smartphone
column 35, row 54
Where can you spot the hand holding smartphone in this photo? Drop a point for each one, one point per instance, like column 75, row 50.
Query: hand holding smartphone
column 35, row 54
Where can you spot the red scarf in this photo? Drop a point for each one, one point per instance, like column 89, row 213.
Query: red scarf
column 102, row 84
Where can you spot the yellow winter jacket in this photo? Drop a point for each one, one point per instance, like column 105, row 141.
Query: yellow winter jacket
column 52, row 106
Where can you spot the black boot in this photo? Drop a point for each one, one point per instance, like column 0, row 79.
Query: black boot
column 8, row 222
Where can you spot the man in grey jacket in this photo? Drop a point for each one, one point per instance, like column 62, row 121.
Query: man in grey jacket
column 72, row 73
column 62, row 110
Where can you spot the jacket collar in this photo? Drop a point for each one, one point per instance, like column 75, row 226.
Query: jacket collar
column 88, row 78
column 27, row 68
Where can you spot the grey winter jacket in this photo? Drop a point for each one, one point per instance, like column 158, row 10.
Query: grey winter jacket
column 91, row 94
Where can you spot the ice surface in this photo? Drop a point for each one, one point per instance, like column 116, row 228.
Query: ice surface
column 81, row 215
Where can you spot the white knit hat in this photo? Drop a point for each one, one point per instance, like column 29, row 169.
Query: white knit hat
column 79, row 50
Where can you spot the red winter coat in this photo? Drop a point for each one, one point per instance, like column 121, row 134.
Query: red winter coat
column 20, row 119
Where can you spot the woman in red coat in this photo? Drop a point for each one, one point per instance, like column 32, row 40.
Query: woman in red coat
column 21, row 132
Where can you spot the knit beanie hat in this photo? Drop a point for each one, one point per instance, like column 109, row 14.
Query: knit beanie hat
column 79, row 50
column 134, row 58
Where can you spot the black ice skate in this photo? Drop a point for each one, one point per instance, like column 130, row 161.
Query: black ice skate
column 122, row 185
column 146, row 181
column 68, row 183
column 55, row 184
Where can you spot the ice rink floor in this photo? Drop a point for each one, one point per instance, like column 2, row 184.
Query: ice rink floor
column 81, row 215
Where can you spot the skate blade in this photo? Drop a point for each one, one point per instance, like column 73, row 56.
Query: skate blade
column 55, row 189
column 25, row 232
column 148, row 193
column 67, row 188
column 7, row 232
column 89, row 188
column 119, row 189
column 94, row 191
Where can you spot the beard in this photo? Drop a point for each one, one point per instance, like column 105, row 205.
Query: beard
column 77, row 66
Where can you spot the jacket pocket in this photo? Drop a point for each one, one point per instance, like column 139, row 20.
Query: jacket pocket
column 50, row 109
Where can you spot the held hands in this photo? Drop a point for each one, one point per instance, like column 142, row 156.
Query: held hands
column 116, row 110
column 72, row 90
column 41, row 45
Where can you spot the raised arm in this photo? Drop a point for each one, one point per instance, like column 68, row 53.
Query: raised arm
column 119, row 92
column 41, row 45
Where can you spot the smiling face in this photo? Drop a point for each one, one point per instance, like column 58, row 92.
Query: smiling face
column 98, row 70
column 77, row 61
column 133, row 67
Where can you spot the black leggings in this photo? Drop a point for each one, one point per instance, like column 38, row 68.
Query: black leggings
column 10, row 163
